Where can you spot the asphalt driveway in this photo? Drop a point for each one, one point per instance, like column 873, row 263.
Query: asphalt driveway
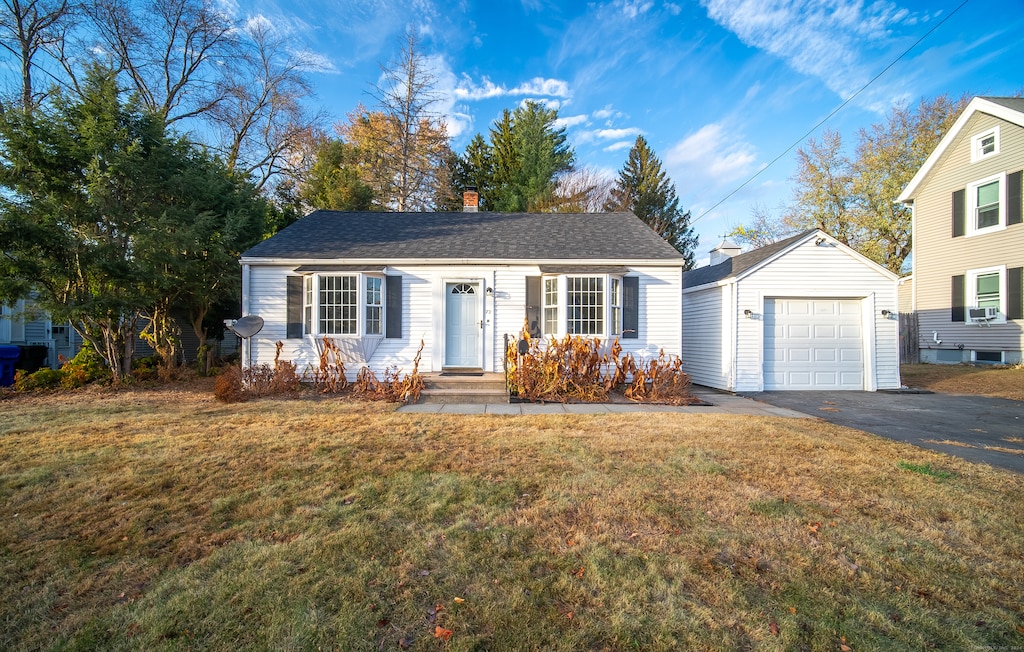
column 976, row 428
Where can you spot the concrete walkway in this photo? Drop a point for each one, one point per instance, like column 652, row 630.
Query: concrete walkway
column 721, row 403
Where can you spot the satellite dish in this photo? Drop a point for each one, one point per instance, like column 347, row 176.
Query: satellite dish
column 247, row 326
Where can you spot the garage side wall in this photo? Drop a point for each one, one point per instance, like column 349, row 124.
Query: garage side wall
column 809, row 270
column 705, row 345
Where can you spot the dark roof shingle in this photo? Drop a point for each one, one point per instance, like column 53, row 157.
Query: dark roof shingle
column 739, row 263
column 336, row 235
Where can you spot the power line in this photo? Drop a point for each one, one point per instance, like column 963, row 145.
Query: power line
column 834, row 111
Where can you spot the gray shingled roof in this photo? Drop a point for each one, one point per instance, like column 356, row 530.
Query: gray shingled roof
column 376, row 236
column 739, row 263
column 1015, row 103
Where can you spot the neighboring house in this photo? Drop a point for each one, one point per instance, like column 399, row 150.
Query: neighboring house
column 805, row 313
column 26, row 325
column 377, row 284
column 969, row 237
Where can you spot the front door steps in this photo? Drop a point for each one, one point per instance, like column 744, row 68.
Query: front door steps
column 464, row 386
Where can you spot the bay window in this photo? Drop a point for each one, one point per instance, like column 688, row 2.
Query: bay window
column 589, row 306
column 343, row 304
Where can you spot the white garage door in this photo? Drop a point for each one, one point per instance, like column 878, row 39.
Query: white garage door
column 813, row 344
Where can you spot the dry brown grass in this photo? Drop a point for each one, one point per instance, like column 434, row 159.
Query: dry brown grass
column 1003, row 382
column 164, row 519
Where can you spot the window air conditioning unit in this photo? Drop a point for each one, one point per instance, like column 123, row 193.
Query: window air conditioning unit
column 976, row 315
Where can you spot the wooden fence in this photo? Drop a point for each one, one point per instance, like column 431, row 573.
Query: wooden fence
column 909, row 349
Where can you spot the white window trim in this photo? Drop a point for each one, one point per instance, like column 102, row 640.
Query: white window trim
column 313, row 327
column 971, row 293
column 976, row 153
column 610, row 330
column 971, row 217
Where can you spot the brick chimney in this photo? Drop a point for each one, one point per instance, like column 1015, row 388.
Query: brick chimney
column 470, row 200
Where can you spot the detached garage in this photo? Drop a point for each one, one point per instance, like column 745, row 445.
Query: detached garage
column 805, row 313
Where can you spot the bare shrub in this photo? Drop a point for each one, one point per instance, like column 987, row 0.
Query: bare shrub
column 329, row 375
column 577, row 368
column 395, row 387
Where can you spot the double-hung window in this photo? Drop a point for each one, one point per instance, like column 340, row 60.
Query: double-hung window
column 339, row 305
column 551, row 305
column 985, row 205
column 374, row 305
column 986, row 289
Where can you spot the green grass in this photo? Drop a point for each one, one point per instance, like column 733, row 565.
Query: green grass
column 924, row 469
column 166, row 521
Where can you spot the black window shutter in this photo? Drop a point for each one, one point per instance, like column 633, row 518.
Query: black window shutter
column 393, row 306
column 630, row 307
column 958, row 213
column 1015, row 293
column 1013, row 198
column 957, row 299
column 294, row 307
column 533, row 301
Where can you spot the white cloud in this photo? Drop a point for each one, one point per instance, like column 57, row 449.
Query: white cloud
column 571, row 121
column 546, row 102
column 614, row 134
column 469, row 90
column 711, row 157
column 673, row 8
column 819, row 38
column 315, row 62
column 622, row 144
column 633, row 8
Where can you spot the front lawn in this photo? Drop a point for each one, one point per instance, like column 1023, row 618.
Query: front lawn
column 1004, row 382
column 151, row 520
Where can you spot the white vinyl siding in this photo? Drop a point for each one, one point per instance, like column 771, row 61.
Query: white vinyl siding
column 804, row 271
column 659, row 315
column 705, row 341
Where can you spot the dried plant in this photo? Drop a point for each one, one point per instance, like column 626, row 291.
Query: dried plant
column 237, row 384
column 577, row 368
column 329, row 376
column 395, row 387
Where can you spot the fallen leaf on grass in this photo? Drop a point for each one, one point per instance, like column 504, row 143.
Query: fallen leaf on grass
column 814, row 527
column 432, row 612
column 442, row 633
column 774, row 626
column 579, row 572
column 459, row 600
column 1020, row 629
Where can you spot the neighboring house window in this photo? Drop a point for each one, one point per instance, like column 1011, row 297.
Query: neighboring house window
column 551, row 305
column 985, row 205
column 985, row 144
column 986, row 289
column 343, row 304
column 374, row 305
column 585, row 305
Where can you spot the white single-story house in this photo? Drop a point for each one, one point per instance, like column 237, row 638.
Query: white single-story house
column 377, row 284
column 805, row 313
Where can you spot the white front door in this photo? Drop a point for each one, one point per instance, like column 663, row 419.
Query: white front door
column 462, row 325
column 813, row 344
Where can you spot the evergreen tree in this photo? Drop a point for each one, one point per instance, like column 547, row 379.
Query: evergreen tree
column 645, row 189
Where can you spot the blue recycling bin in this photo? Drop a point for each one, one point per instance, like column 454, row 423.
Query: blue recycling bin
column 8, row 358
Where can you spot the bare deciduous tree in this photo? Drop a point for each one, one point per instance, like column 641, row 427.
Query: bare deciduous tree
column 26, row 28
column 169, row 50
column 260, row 113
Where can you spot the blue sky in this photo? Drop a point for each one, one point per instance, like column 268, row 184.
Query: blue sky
column 718, row 87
